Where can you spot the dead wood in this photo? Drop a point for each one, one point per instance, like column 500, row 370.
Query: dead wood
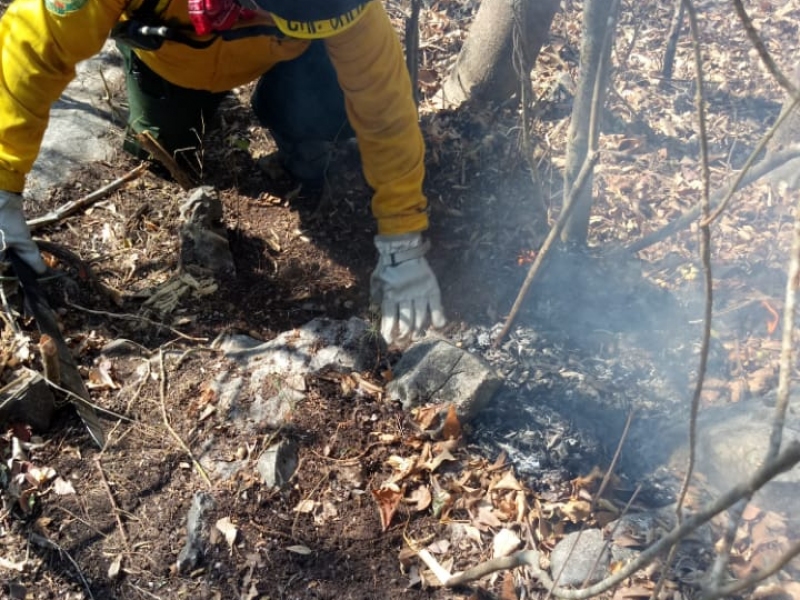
column 757, row 172
column 151, row 145
column 708, row 284
column 783, row 462
column 555, row 231
column 70, row 208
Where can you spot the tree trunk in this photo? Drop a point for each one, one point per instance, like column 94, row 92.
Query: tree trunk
column 599, row 22
column 485, row 69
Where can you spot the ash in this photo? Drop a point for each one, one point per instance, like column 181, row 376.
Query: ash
column 564, row 403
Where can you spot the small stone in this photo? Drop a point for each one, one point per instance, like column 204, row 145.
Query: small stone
column 197, row 532
column 278, row 463
column 574, row 566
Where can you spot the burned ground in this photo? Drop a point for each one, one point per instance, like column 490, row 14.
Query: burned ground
column 598, row 337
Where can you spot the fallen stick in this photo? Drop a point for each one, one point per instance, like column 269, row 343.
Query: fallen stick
column 555, row 231
column 789, row 457
column 70, row 208
column 114, row 506
column 151, row 145
column 757, row 172
column 162, row 392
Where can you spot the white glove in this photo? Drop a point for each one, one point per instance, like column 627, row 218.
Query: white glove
column 404, row 286
column 14, row 232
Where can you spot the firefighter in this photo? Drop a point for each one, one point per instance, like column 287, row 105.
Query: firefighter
column 326, row 69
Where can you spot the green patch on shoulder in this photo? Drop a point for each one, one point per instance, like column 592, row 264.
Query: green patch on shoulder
column 64, row 7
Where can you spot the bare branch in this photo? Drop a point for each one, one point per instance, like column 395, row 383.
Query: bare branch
column 555, row 231
column 70, row 208
column 757, row 172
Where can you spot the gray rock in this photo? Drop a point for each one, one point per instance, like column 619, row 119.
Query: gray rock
column 278, row 463
column 82, row 128
column 435, row 371
column 319, row 344
column 197, row 532
column 275, row 410
column 204, row 239
column 732, row 441
column 578, row 564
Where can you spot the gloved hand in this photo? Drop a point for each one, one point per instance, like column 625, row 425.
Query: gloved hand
column 14, row 232
column 404, row 286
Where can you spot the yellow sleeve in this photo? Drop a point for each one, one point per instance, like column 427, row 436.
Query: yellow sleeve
column 371, row 70
column 41, row 41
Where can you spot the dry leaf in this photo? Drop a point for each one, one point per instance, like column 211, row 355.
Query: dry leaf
column 436, row 462
column 62, row 487
column 507, row 482
column 504, row 543
column 508, row 591
column 420, row 497
column 452, row 426
column 439, row 547
column 576, row 511
column 305, row 506
column 299, row 549
column 388, row 499
column 424, row 416
column 115, row 567
column 228, row 529
column 11, row 565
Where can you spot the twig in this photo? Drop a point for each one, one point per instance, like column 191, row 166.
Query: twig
column 763, row 53
column 70, row 208
column 785, row 461
column 162, row 390
column 735, row 588
column 114, row 506
column 750, row 160
column 786, row 367
column 306, row 499
column 705, row 254
column 44, row 542
column 555, row 231
column 757, row 172
column 151, row 145
column 131, row 317
column 601, row 490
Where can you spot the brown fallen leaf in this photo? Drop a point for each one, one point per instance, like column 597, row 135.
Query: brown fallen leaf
column 388, row 499
column 452, row 426
column 507, row 590
column 420, row 497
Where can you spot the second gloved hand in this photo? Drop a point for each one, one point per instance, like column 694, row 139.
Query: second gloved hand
column 14, row 232
column 405, row 287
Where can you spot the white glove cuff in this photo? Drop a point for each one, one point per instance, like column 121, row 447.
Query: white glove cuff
column 397, row 249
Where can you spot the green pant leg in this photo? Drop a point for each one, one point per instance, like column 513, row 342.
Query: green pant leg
column 175, row 116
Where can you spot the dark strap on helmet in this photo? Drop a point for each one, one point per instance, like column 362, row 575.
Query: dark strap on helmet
column 307, row 10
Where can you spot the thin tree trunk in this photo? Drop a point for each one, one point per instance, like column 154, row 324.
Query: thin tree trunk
column 485, row 71
column 599, row 21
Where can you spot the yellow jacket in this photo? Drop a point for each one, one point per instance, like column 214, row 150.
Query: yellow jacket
column 41, row 41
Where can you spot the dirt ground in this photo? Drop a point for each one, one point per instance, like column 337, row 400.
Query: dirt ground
column 301, row 254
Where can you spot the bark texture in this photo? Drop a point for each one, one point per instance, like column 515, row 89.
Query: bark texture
column 484, row 71
column 597, row 39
